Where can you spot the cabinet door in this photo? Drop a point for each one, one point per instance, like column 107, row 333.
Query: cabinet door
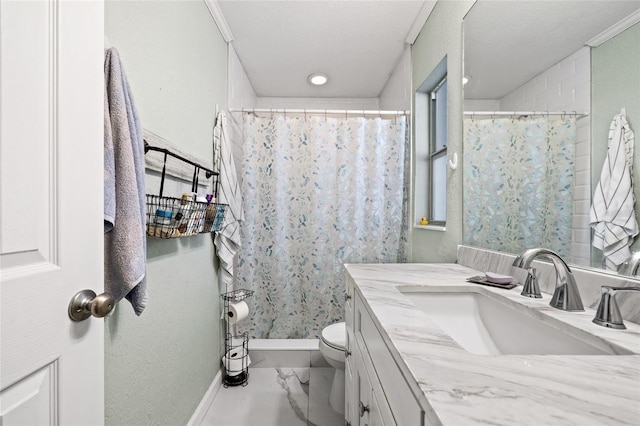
column 361, row 389
column 350, row 403
column 375, row 413
column 349, row 299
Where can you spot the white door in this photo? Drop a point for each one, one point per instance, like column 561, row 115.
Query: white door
column 51, row 105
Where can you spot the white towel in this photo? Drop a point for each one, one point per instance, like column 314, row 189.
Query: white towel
column 612, row 212
column 124, row 190
column 227, row 241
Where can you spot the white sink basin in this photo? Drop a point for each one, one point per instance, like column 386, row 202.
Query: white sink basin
column 485, row 326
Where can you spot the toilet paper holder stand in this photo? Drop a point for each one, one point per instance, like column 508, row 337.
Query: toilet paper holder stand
column 236, row 346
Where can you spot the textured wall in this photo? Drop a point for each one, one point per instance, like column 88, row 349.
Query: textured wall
column 440, row 36
column 615, row 70
column 158, row 366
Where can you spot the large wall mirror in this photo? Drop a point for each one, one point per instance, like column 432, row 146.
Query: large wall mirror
column 544, row 80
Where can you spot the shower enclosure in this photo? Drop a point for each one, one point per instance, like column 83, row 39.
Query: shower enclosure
column 319, row 191
column 519, row 179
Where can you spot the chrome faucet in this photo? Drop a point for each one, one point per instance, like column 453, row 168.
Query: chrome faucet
column 608, row 314
column 566, row 295
column 631, row 267
column 530, row 287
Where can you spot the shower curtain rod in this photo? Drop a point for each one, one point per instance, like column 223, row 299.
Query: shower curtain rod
column 321, row 111
column 575, row 113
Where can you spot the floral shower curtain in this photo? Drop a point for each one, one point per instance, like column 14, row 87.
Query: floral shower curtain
column 518, row 183
column 318, row 192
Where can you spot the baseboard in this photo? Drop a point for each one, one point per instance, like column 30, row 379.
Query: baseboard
column 198, row 415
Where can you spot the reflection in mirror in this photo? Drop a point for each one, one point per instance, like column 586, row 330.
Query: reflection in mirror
column 536, row 120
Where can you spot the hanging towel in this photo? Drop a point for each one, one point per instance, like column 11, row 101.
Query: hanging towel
column 612, row 213
column 124, row 190
column 227, row 241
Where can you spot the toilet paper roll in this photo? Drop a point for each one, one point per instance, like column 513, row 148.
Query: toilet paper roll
column 235, row 360
column 237, row 312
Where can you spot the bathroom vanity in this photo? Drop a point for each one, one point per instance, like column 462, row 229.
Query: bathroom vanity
column 413, row 359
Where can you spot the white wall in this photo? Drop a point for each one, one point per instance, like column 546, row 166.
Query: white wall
column 241, row 95
column 319, row 103
column 397, row 93
column 566, row 86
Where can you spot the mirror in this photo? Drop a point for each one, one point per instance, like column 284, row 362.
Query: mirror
column 549, row 57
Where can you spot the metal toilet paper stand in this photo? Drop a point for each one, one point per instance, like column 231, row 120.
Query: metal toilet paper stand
column 236, row 347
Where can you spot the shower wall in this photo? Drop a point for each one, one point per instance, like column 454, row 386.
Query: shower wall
column 566, row 86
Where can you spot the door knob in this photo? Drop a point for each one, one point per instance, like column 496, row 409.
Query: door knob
column 85, row 303
column 363, row 409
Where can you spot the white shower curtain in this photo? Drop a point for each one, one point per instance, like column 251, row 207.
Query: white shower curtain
column 318, row 192
column 518, row 183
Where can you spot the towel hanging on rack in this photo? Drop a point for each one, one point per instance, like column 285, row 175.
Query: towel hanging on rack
column 612, row 213
column 227, row 241
column 124, row 190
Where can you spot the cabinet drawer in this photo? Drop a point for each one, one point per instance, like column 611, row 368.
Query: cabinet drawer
column 405, row 408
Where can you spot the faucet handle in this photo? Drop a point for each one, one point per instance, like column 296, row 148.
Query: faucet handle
column 531, row 288
column 608, row 314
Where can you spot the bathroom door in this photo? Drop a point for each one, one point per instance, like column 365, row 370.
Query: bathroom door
column 51, row 103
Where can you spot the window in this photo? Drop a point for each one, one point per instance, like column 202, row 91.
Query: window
column 430, row 188
column 437, row 203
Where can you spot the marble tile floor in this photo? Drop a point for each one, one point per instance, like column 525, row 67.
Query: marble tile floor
column 276, row 397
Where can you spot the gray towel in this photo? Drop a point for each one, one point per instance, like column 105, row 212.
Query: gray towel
column 124, row 190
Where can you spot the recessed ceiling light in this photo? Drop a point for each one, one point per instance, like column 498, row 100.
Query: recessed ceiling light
column 318, row 79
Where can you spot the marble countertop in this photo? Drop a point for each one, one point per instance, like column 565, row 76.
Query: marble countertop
column 456, row 387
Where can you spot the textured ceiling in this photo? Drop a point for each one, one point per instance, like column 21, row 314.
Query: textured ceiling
column 507, row 43
column 357, row 43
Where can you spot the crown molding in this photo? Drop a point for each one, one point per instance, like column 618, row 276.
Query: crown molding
column 218, row 17
column 615, row 29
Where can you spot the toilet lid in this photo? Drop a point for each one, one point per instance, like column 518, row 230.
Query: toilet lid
column 335, row 335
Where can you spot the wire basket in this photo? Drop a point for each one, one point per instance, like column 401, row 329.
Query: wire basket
column 236, row 360
column 169, row 217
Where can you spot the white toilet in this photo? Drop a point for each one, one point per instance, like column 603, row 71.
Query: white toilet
column 332, row 346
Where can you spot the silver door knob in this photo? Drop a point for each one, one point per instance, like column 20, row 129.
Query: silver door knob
column 363, row 409
column 85, row 303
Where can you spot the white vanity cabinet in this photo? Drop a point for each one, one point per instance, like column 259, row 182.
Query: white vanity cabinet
column 376, row 392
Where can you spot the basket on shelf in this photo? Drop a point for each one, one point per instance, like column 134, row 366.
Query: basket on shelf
column 169, row 217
